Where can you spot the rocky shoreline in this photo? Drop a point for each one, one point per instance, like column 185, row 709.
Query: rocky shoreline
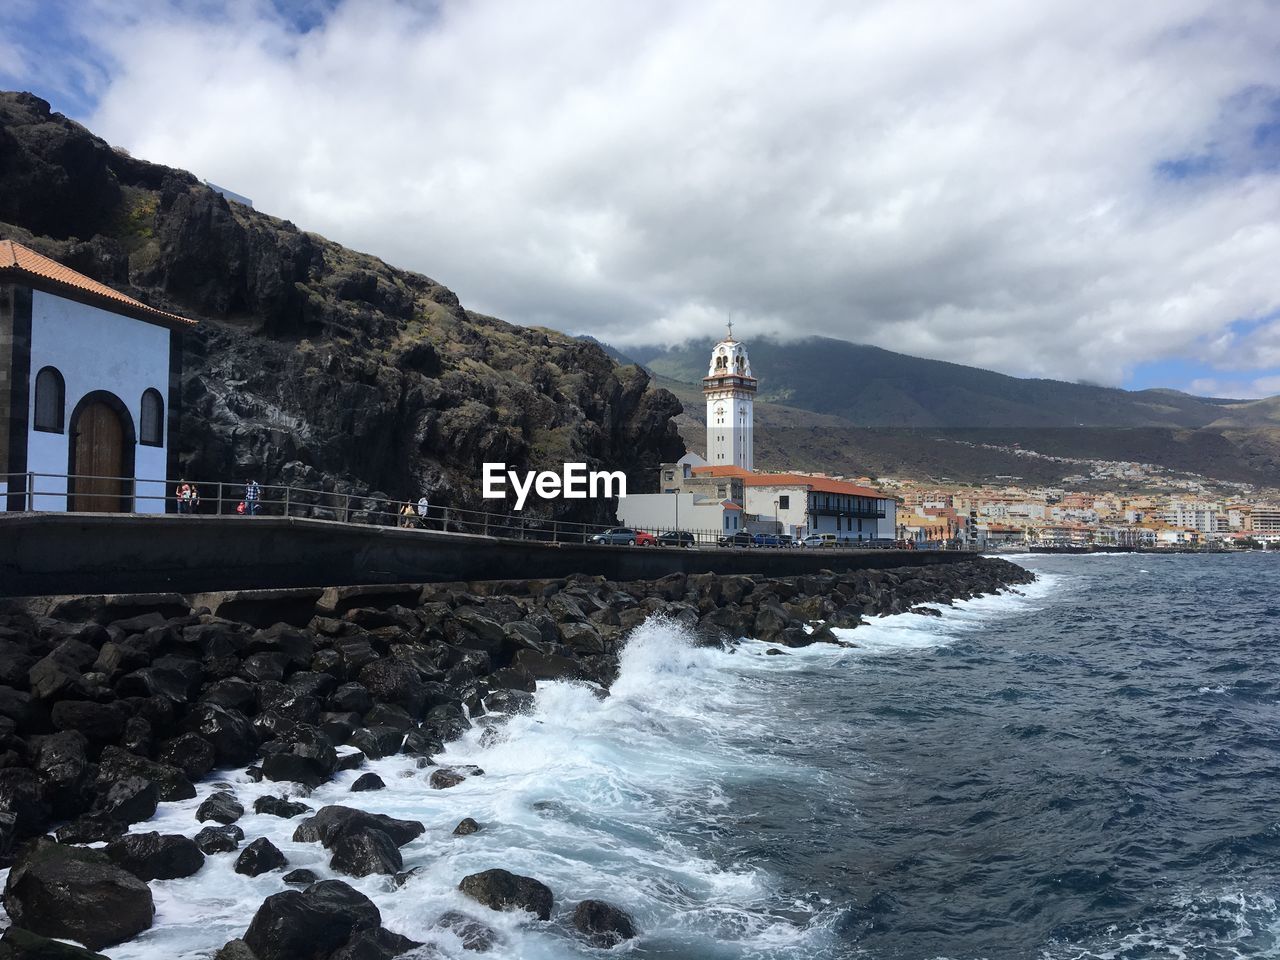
column 110, row 706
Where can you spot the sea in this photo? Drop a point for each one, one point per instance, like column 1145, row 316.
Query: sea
column 1085, row 767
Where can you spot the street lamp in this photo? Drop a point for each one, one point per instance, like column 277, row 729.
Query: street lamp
column 777, row 527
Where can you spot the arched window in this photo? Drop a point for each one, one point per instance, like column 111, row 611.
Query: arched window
column 51, row 401
column 152, row 432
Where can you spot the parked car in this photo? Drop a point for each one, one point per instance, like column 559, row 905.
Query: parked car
column 739, row 539
column 819, row 540
column 771, row 540
column 625, row 535
column 677, row 538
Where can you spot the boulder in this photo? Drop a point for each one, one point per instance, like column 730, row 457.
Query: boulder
column 259, row 857
column 76, row 894
column 466, row 826
column 116, row 764
column 367, row 781
column 502, row 890
column 222, row 807
column 377, row 742
column 156, row 856
column 475, row 936
column 98, row 722
column 130, row 800
column 359, row 853
column 396, row 682
column 302, row 877
column 90, row 828
column 445, row 778
column 21, row 796
column 379, row 944
column 229, row 731
column 190, row 753
column 310, row 924
column 332, row 822
column 62, row 763
column 281, row 807
column 219, row 839
column 19, row 944
column 351, row 698
column 602, row 923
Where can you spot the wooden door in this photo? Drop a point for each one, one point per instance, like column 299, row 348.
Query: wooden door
column 99, row 461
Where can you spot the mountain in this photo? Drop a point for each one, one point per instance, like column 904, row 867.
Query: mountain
column 830, row 405
column 871, row 387
column 315, row 365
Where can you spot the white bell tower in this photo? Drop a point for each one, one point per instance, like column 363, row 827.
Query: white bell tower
column 730, row 390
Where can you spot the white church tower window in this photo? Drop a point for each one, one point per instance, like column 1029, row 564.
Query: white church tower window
column 730, row 390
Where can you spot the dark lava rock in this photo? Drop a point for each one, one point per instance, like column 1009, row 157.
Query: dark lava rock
column 310, row 924
column 99, row 722
column 91, row 828
column 222, row 807
column 21, row 795
column 604, row 924
column 350, row 761
column 130, row 800
column 466, row 827
column 301, row 877
column 367, row 781
column 190, row 753
column 19, row 944
column 391, row 681
column 378, row 944
column 76, row 894
column 219, row 839
column 116, row 764
column 377, row 742
column 444, row 779
column 502, row 890
column 362, row 852
column 351, row 698
column 234, row 740
column 475, row 935
column 62, row 763
column 332, row 822
column 259, row 857
column 156, row 856
column 280, row 807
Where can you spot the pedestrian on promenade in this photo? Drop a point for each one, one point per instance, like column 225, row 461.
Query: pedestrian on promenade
column 423, row 508
column 407, row 517
column 183, row 495
column 252, row 493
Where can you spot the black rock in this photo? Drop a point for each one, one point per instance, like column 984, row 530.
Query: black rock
column 332, row 822
column 280, row 807
column 156, row 856
column 219, row 839
column 116, row 764
column 377, row 742
column 98, row 722
column 62, row 763
column 445, row 778
column 310, row 924
column 466, row 827
column 351, row 698
column 367, row 781
column 90, row 828
column 502, row 890
column 475, row 935
column 234, row 740
column 259, row 857
column 19, row 944
column 604, row 924
column 130, row 800
column 190, row 753
column 76, row 894
column 359, row 853
column 21, row 795
column 379, row 944
column 222, row 807
column 302, row 877
column 350, row 761
column 391, row 681
column 446, row 722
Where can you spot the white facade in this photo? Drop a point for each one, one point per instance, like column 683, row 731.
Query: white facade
column 730, row 391
column 661, row 512
column 96, row 350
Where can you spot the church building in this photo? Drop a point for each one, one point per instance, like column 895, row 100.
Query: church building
column 730, row 390
column 88, row 391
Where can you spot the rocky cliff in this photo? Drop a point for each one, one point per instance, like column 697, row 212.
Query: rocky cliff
column 315, row 365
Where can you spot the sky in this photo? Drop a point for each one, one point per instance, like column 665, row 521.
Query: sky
column 1066, row 188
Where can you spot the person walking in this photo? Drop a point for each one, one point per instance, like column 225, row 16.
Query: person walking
column 183, row 495
column 407, row 517
column 252, row 493
column 423, row 508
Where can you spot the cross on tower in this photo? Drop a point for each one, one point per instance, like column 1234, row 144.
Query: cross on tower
column 730, row 329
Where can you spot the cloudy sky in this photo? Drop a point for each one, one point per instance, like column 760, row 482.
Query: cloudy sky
column 1066, row 188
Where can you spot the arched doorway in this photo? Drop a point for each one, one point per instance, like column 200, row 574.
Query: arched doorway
column 101, row 456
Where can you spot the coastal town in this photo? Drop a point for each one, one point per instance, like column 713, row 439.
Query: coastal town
column 1099, row 504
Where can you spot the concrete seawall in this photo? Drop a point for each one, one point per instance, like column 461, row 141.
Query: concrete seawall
column 56, row 553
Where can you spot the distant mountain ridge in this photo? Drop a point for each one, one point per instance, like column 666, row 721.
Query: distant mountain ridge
column 872, row 387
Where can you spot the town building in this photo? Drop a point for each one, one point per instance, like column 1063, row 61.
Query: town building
column 89, row 377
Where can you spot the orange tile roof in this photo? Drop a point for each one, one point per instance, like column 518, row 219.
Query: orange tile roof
column 818, row 484
column 729, row 471
column 22, row 263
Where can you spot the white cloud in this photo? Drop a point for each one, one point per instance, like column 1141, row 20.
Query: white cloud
column 973, row 181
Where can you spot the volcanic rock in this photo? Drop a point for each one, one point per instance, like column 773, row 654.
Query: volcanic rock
column 156, row 856
column 222, row 807
column 604, row 924
column 502, row 890
column 259, row 857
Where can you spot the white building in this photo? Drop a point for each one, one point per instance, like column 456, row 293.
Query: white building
column 730, row 390
column 707, row 518
column 89, row 381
